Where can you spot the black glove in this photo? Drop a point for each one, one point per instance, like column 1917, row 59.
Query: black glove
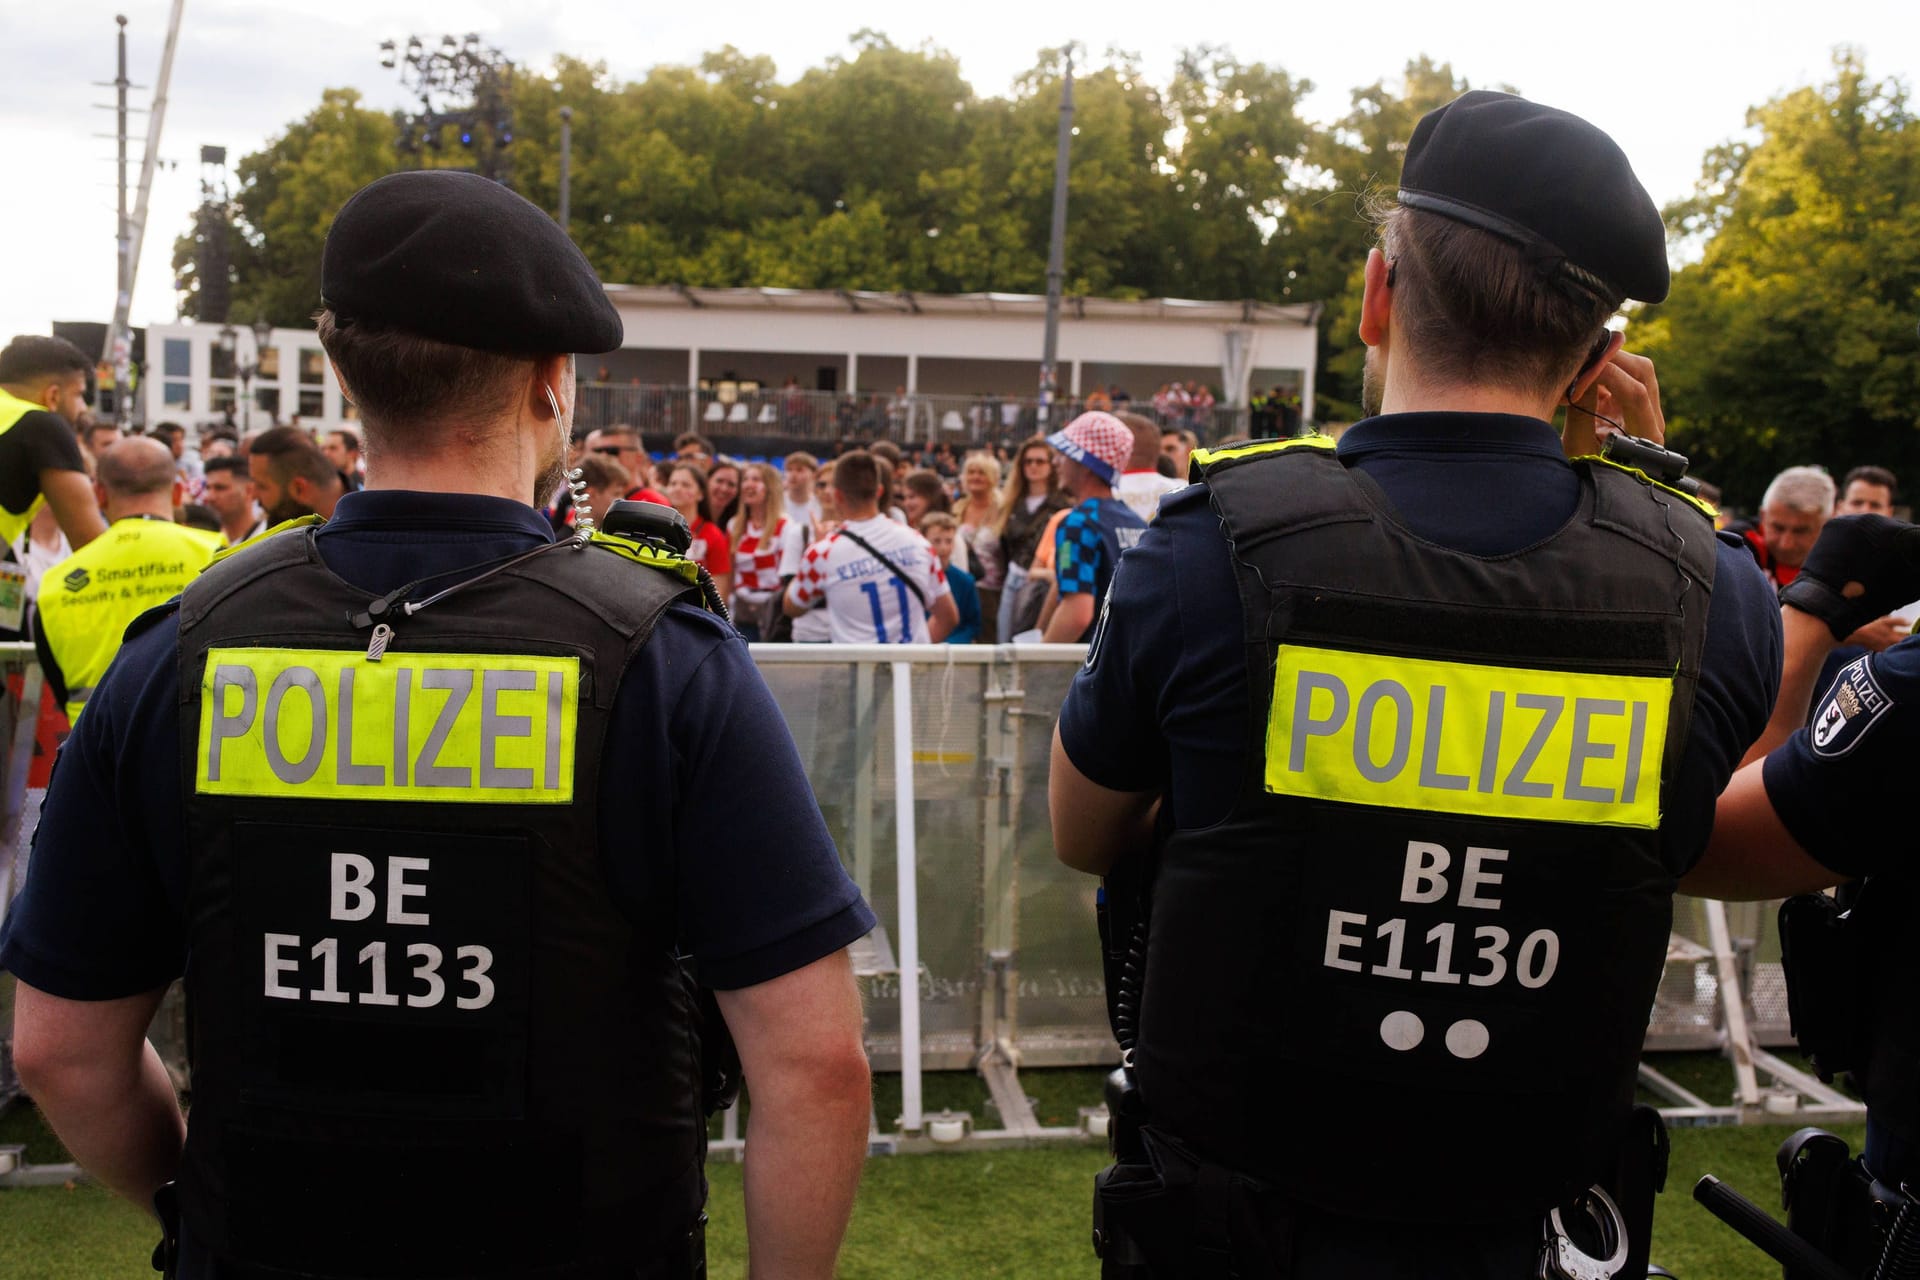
column 1878, row 556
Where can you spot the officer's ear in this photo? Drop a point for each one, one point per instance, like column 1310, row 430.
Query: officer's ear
column 551, row 375
column 346, row 392
column 1376, row 303
column 1597, row 358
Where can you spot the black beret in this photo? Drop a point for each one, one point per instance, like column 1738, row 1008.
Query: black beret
column 1547, row 181
column 459, row 258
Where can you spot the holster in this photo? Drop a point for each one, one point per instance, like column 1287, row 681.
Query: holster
column 697, row 1249
column 1176, row 1217
column 166, row 1254
column 1828, row 971
column 719, row 1056
column 1828, row 1197
column 1640, row 1174
column 1836, row 1205
column 1120, row 1258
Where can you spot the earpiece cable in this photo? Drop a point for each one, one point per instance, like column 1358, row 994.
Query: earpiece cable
column 575, row 478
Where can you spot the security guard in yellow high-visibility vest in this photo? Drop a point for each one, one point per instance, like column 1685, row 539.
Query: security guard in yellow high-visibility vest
column 144, row 559
column 43, row 388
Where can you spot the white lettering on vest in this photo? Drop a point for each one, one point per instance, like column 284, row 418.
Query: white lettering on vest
column 399, row 889
column 352, row 900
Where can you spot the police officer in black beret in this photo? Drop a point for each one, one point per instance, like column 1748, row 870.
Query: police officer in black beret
column 1393, row 798
column 437, row 818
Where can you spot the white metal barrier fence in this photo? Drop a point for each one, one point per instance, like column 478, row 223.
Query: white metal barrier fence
column 929, row 763
column 1008, row 956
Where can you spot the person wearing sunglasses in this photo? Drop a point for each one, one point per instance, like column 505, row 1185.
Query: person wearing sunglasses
column 622, row 444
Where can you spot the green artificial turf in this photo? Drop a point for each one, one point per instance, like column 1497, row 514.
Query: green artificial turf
column 1017, row 1213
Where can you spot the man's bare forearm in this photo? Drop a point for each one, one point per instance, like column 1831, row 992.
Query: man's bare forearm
column 805, row 1149
column 1807, row 642
column 102, row 1088
column 1071, row 619
column 806, row 1072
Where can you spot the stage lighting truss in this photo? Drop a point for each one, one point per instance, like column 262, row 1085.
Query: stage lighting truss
column 465, row 90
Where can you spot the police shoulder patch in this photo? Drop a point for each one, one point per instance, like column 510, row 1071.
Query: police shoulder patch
column 1849, row 710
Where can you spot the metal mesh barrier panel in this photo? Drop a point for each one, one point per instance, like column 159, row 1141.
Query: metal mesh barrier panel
column 1062, row 1013
column 1686, row 1012
column 1008, row 945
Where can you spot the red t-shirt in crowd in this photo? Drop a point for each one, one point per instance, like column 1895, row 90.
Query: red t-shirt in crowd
column 710, row 549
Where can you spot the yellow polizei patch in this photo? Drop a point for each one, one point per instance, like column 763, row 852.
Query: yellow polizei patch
column 455, row 728
column 1457, row 737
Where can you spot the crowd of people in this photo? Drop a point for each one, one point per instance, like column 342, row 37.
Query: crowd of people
column 1006, row 543
column 877, row 544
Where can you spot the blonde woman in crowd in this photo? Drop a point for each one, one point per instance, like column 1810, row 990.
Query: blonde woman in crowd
column 766, row 551
column 978, row 513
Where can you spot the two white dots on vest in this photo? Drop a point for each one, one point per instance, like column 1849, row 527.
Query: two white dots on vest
column 1402, row 1029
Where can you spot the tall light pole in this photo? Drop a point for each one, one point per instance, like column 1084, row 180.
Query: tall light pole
column 262, row 335
column 118, row 347
column 119, row 344
column 566, row 167
column 1057, row 247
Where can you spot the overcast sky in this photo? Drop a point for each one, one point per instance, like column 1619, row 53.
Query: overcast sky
column 1667, row 79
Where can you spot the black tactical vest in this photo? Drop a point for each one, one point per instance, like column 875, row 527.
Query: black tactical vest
column 425, row 1041
column 1408, row 976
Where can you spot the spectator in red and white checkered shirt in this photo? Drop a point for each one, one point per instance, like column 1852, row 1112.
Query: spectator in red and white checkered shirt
column 878, row 580
column 766, row 547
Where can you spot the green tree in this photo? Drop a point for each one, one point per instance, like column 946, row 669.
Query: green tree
column 1791, row 338
column 1357, row 162
column 873, row 123
column 288, row 196
column 1234, row 176
column 1116, row 179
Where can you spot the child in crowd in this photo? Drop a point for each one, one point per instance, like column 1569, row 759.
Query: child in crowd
column 940, row 529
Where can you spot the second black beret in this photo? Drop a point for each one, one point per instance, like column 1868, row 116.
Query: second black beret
column 1545, row 180
column 460, row 259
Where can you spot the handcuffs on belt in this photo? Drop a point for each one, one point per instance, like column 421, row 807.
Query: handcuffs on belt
column 1562, row 1259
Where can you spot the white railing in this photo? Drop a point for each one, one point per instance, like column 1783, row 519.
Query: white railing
column 763, row 418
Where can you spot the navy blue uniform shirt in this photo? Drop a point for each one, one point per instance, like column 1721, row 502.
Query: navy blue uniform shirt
column 753, row 890
column 1831, row 783
column 1163, row 704
column 1836, row 786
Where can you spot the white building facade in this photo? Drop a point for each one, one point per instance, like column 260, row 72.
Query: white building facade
column 817, row 341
